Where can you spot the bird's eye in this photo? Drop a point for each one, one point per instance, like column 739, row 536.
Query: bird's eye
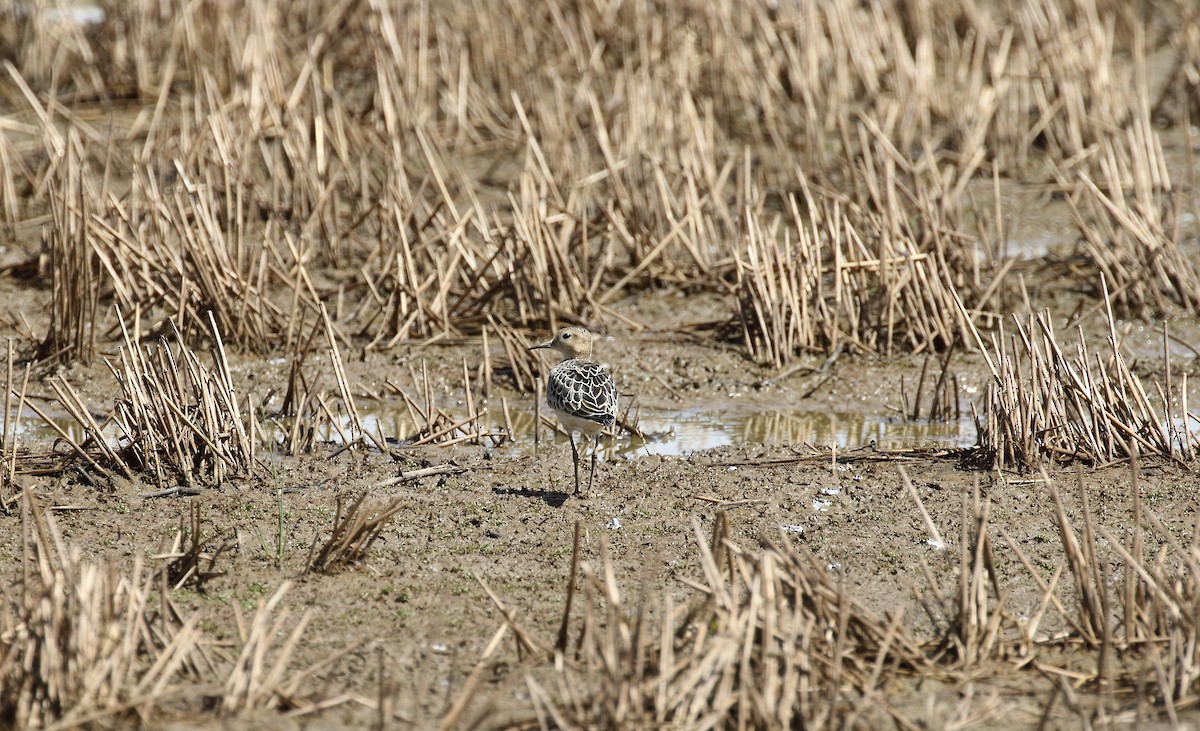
column 566, row 336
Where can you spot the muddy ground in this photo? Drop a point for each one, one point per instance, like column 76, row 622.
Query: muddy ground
column 488, row 539
column 416, row 613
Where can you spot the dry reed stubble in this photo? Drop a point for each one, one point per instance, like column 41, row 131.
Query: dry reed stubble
column 75, row 268
column 848, row 280
column 368, row 147
column 1131, row 225
column 1141, row 625
column 1046, row 405
column 179, row 420
column 261, row 678
column 771, row 638
column 82, row 643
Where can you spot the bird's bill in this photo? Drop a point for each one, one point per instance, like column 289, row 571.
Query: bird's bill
column 539, row 346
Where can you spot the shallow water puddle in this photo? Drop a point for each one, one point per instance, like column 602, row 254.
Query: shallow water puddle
column 691, row 430
column 667, row 431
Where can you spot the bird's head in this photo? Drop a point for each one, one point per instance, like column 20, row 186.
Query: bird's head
column 571, row 342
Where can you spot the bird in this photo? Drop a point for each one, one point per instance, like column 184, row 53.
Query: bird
column 581, row 392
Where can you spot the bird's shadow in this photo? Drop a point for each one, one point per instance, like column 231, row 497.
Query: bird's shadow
column 553, row 499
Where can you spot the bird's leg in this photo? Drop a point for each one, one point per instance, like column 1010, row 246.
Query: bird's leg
column 595, row 448
column 575, row 460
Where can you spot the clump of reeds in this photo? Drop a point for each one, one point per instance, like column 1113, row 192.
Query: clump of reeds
column 355, row 529
column 1130, row 223
column 971, row 625
column 1047, row 402
column 179, row 421
column 1136, row 592
column 75, row 268
column 1127, row 628
column 82, row 643
column 170, row 251
column 835, row 279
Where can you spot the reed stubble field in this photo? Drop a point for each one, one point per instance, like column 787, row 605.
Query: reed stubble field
column 272, row 448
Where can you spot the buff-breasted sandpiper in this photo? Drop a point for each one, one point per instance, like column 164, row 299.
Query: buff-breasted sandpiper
column 581, row 392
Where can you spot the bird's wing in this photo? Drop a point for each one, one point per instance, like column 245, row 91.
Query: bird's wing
column 585, row 390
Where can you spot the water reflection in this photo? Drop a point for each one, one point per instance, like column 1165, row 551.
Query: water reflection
column 30, row 428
